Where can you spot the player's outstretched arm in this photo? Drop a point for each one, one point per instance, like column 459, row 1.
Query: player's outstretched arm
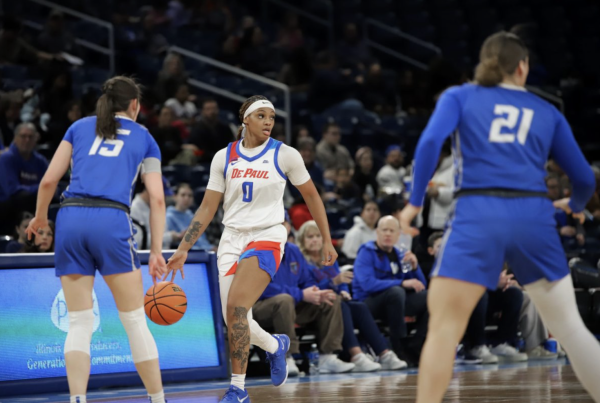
column 57, row 169
column 153, row 182
column 317, row 210
column 203, row 217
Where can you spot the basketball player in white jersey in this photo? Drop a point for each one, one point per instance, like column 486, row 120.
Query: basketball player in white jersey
column 251, row 174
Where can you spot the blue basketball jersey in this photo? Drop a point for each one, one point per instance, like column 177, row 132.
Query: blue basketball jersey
column 108, row 169
column 502, row 137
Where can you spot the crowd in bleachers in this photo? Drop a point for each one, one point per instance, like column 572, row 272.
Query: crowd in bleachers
column 356, row 121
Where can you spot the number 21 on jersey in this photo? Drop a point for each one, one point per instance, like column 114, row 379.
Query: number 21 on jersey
column 508, row 117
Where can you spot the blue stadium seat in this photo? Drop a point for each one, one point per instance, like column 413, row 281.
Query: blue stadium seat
column 177, row 174
column 199, row 176
column 199, row 194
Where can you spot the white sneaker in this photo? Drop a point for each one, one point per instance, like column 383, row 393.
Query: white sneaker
column 508, row 353
column 540, row 353
column 483, row 353
column 390, row 362
column 330, row 363
column 292, row 367
column 363, row 364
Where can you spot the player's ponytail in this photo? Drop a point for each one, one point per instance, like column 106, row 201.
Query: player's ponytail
column 499, row 57
column 488, row 72
column 117, row 93
column 243, row 109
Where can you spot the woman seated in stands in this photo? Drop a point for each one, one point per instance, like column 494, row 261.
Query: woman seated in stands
column 355, row 314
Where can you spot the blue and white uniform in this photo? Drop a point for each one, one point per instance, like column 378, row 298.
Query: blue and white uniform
column 253, row 182
column 90, row 238
column 502, row 137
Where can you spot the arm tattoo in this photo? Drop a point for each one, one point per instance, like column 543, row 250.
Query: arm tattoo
column 193, row 232
column 239, row 338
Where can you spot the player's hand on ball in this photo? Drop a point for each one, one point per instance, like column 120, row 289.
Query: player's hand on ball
column 157, row 267
column 175, row 263
column 329, row 254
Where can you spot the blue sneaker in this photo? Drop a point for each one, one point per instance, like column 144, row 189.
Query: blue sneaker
column 279, row 368
column 235, row 395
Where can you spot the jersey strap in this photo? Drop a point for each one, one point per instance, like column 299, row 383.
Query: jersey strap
column 230, row 156
column 279, row 143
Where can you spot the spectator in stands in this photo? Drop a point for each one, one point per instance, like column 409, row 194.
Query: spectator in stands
column 298, row 71
column 182, row 104
column 331, row 85
column 55, row 38
column 346, row 191
column 330, row 153
column 299, row 132
column 391, row 175
column 229, row 52
column 178, row 13
column 10, row 118
column 140, row 213
column 151, row 41
column 57, row 91
column 170, row 77
column 378, row 95
column 14, row 49
column 440, row 195
column 356, row 314
column 43, row 242
column 290, row 35
column 22, row 170
column 364, row 175
column 215, row 15
column 363, row 229
column 352, row 51
column 255, row 55
column 506, row 302
column 18, row 243
column 167, row 135
column 292, row 298
column 58, row 126
column 308, row 150
column 179, row 216
column 210, row 134
column 391, row 294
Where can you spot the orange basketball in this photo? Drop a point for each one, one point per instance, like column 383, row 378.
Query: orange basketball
column 165, row 303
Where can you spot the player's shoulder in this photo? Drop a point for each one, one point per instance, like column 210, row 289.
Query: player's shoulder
column 84, row 123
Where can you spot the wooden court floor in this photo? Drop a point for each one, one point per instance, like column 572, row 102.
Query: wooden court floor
column 541, row 382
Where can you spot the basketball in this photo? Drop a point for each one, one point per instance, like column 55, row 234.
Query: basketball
column 165, row 303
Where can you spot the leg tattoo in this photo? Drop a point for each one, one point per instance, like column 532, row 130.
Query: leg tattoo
column 240, row 337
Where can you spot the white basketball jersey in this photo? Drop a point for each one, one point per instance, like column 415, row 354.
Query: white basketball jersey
column 254, row 188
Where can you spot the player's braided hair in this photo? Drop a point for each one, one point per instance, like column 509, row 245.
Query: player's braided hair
column 243, row 109
column 117, row 93
column 500, row 56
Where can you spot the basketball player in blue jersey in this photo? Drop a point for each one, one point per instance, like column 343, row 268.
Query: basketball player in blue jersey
column 502, row 137
column 94, row 230
column 250, row 177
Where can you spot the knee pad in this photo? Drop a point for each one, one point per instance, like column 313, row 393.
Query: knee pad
column 81, row 327
column 141, row 342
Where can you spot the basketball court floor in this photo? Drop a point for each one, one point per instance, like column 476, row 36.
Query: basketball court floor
column 532, row 382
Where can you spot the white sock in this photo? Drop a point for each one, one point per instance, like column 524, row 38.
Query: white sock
column 556, row 304
column 357, row 357
column 272, row 345
column 238, row 380
column 157, row 397
column 78, row 399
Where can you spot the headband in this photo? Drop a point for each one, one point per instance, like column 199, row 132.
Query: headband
column 261, row 103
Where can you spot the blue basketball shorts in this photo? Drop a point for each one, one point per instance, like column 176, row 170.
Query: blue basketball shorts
column 94, row 238
column 484, row 232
